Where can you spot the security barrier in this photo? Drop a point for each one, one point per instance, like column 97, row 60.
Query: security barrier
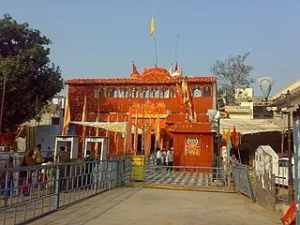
column 241, row 174
column 28, row 193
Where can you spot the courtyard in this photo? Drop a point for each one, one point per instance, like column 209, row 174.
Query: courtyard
column 147, row 206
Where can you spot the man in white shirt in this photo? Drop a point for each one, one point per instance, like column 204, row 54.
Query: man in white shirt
column 158, row 157
column 170, row 160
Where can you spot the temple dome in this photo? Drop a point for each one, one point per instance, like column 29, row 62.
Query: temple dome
column 156, row 71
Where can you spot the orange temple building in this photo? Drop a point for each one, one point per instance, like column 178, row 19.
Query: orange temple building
column 154, row 109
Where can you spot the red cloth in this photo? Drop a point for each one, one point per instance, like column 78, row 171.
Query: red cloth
column 25, row 186
column 290, row 216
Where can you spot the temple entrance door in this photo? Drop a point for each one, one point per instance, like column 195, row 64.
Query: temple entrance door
column 139, row 145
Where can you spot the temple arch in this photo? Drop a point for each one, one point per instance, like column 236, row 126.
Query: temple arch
column 145, row 92
column 134, row 92
column 206, row 91
column 165, row 92
column 123, row 92
column 154, row 92
column 112, row 92
column 173, row 92
column 197, row 91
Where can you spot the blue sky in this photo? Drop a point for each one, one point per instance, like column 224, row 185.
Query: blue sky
column 99, row 39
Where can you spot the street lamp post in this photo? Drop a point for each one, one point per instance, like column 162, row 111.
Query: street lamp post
column 290, row 169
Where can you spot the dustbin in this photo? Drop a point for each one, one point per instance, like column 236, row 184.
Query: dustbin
column 138, row 172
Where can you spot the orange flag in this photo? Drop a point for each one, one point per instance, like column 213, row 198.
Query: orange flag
column 67, row 116
column 157, row 132
column 83, row 120
column 116, row 134
column 135, row 139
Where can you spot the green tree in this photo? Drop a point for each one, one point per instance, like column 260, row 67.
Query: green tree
column 31, row 80
column 232, row 74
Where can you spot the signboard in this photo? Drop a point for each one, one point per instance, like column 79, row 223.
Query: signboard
column 238, row 109
column 192, row 147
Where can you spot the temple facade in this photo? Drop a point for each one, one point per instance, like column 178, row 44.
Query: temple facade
column 149, row 110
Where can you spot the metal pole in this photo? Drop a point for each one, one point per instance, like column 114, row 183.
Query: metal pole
column 143, row 135
column 2, row 102
column 290, row 168
column 219, row 138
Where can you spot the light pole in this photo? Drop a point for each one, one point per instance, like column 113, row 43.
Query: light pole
column 290, row 168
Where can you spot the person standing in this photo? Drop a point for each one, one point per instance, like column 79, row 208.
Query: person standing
column 158, row 157
column 65, row 170
column 38, row 155
column 25, row 176
column 163, row 157
column 170, row 160
column 6, row 185
column 89, row 166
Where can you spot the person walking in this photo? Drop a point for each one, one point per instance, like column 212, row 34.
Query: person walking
column 170, row 160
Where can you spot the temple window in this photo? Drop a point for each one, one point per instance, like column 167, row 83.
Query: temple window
column 196, row 92
column 154, row 92
column 165, row 92
column 134, row 92
column 112, row 92
column 173, row 92
column 123, row 92
column 99, row 92
column 145, row 92
column 206, row 91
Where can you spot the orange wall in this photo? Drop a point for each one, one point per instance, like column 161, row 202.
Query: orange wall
column 120, row 105
column 205, row 158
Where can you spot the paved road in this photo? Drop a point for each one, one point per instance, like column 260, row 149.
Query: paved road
column 130, row 206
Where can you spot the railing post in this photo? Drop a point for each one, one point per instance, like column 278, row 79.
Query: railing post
column 97, row 176
column 57, row 187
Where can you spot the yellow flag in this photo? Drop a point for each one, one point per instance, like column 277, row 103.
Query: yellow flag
column 152, row 26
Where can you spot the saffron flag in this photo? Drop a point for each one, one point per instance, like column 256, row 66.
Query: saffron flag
column 234, row 137
column 67, row 116
column 179, row 94
column 129, row 130
column 157, row 131
column 134, row 69
column 152, row 26
column 135, row 139
column 116, row 135
column 83, row 119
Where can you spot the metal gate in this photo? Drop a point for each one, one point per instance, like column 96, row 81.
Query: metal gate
column 241, row 174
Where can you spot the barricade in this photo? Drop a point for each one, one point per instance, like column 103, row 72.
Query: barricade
column 28, row 193
column 242, row 179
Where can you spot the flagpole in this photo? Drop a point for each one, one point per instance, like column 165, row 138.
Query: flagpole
column 152, row 33
column 156, row 56
column 176, row 47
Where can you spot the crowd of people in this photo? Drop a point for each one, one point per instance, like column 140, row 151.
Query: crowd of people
column 45, row 176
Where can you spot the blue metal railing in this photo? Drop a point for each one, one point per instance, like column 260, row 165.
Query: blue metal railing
column 30, row 192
